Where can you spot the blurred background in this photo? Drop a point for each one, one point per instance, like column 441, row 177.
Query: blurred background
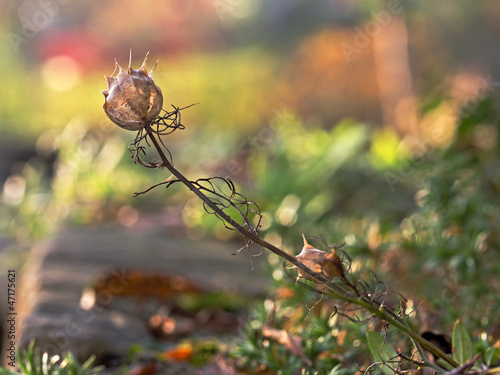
column 364, row 74
column 337, row 117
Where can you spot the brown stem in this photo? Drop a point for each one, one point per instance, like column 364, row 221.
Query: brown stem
column 337, row 292
column 230, row 220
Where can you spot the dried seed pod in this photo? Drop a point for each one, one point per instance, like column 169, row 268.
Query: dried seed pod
column 132, row 97
column 329, row 264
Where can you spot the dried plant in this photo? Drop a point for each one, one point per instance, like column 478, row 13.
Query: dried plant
column 220, row 198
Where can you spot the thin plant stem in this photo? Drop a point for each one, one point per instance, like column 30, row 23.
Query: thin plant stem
column 252, row 236
column 335, row 291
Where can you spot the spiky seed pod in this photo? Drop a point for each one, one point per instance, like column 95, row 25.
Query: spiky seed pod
column 329, row 264
column 132, row 97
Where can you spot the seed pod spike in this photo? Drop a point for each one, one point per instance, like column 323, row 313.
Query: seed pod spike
column 110, row 80
column 153, row 68
column 145, row 59
column 114, row 70
column 143, row 67
column 130, row 62
column 306, row 245
column 120, row 69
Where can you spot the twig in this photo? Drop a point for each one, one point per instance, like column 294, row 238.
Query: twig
column 460, row 370
column 362, row 298
column 246, row 233
column 335, row 291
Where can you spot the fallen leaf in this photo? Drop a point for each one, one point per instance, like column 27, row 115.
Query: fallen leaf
column 219, row 366
column 180, row 353
column 147, row 369
column 291, row 342
column 142, row 284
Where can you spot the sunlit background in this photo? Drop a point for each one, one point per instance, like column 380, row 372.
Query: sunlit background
column 312, row 107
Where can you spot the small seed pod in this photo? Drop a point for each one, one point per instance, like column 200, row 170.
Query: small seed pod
column 132, row 98
column 329, row 264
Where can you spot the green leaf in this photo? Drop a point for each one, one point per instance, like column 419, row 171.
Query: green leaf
column 4, row 371
column 491, row 355
column 462, row 344
column 381, row 353
column 22, row 366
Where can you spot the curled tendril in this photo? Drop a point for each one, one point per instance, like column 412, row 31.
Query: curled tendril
column 220, row 198
column 219, row 191
column 163, row 125
column 222, row 192
column 358, row 300
column 374, row 291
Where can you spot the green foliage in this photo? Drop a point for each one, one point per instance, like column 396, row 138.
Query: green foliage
column 32, row 362
column 462, row 344
column 454, row 229
column 90, row 180
column 328, row 340
column 325, row 339
column 300, row 157
column 465, row 349
column 292, row 169
column 382, row 351
column 447, row 240
column 230, row 86
column 491, row 356
column 309, row 178
column 217, row 300
column 203, row 351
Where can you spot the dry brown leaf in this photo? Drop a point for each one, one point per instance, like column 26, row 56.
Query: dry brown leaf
column 181, row 353
column 142, row 283
column 219, row 366
column 146, row 369
column 291, row 342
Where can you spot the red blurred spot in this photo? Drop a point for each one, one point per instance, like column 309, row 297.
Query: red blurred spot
column 80, row 45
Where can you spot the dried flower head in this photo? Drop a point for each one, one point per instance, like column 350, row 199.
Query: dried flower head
column 132, row 98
